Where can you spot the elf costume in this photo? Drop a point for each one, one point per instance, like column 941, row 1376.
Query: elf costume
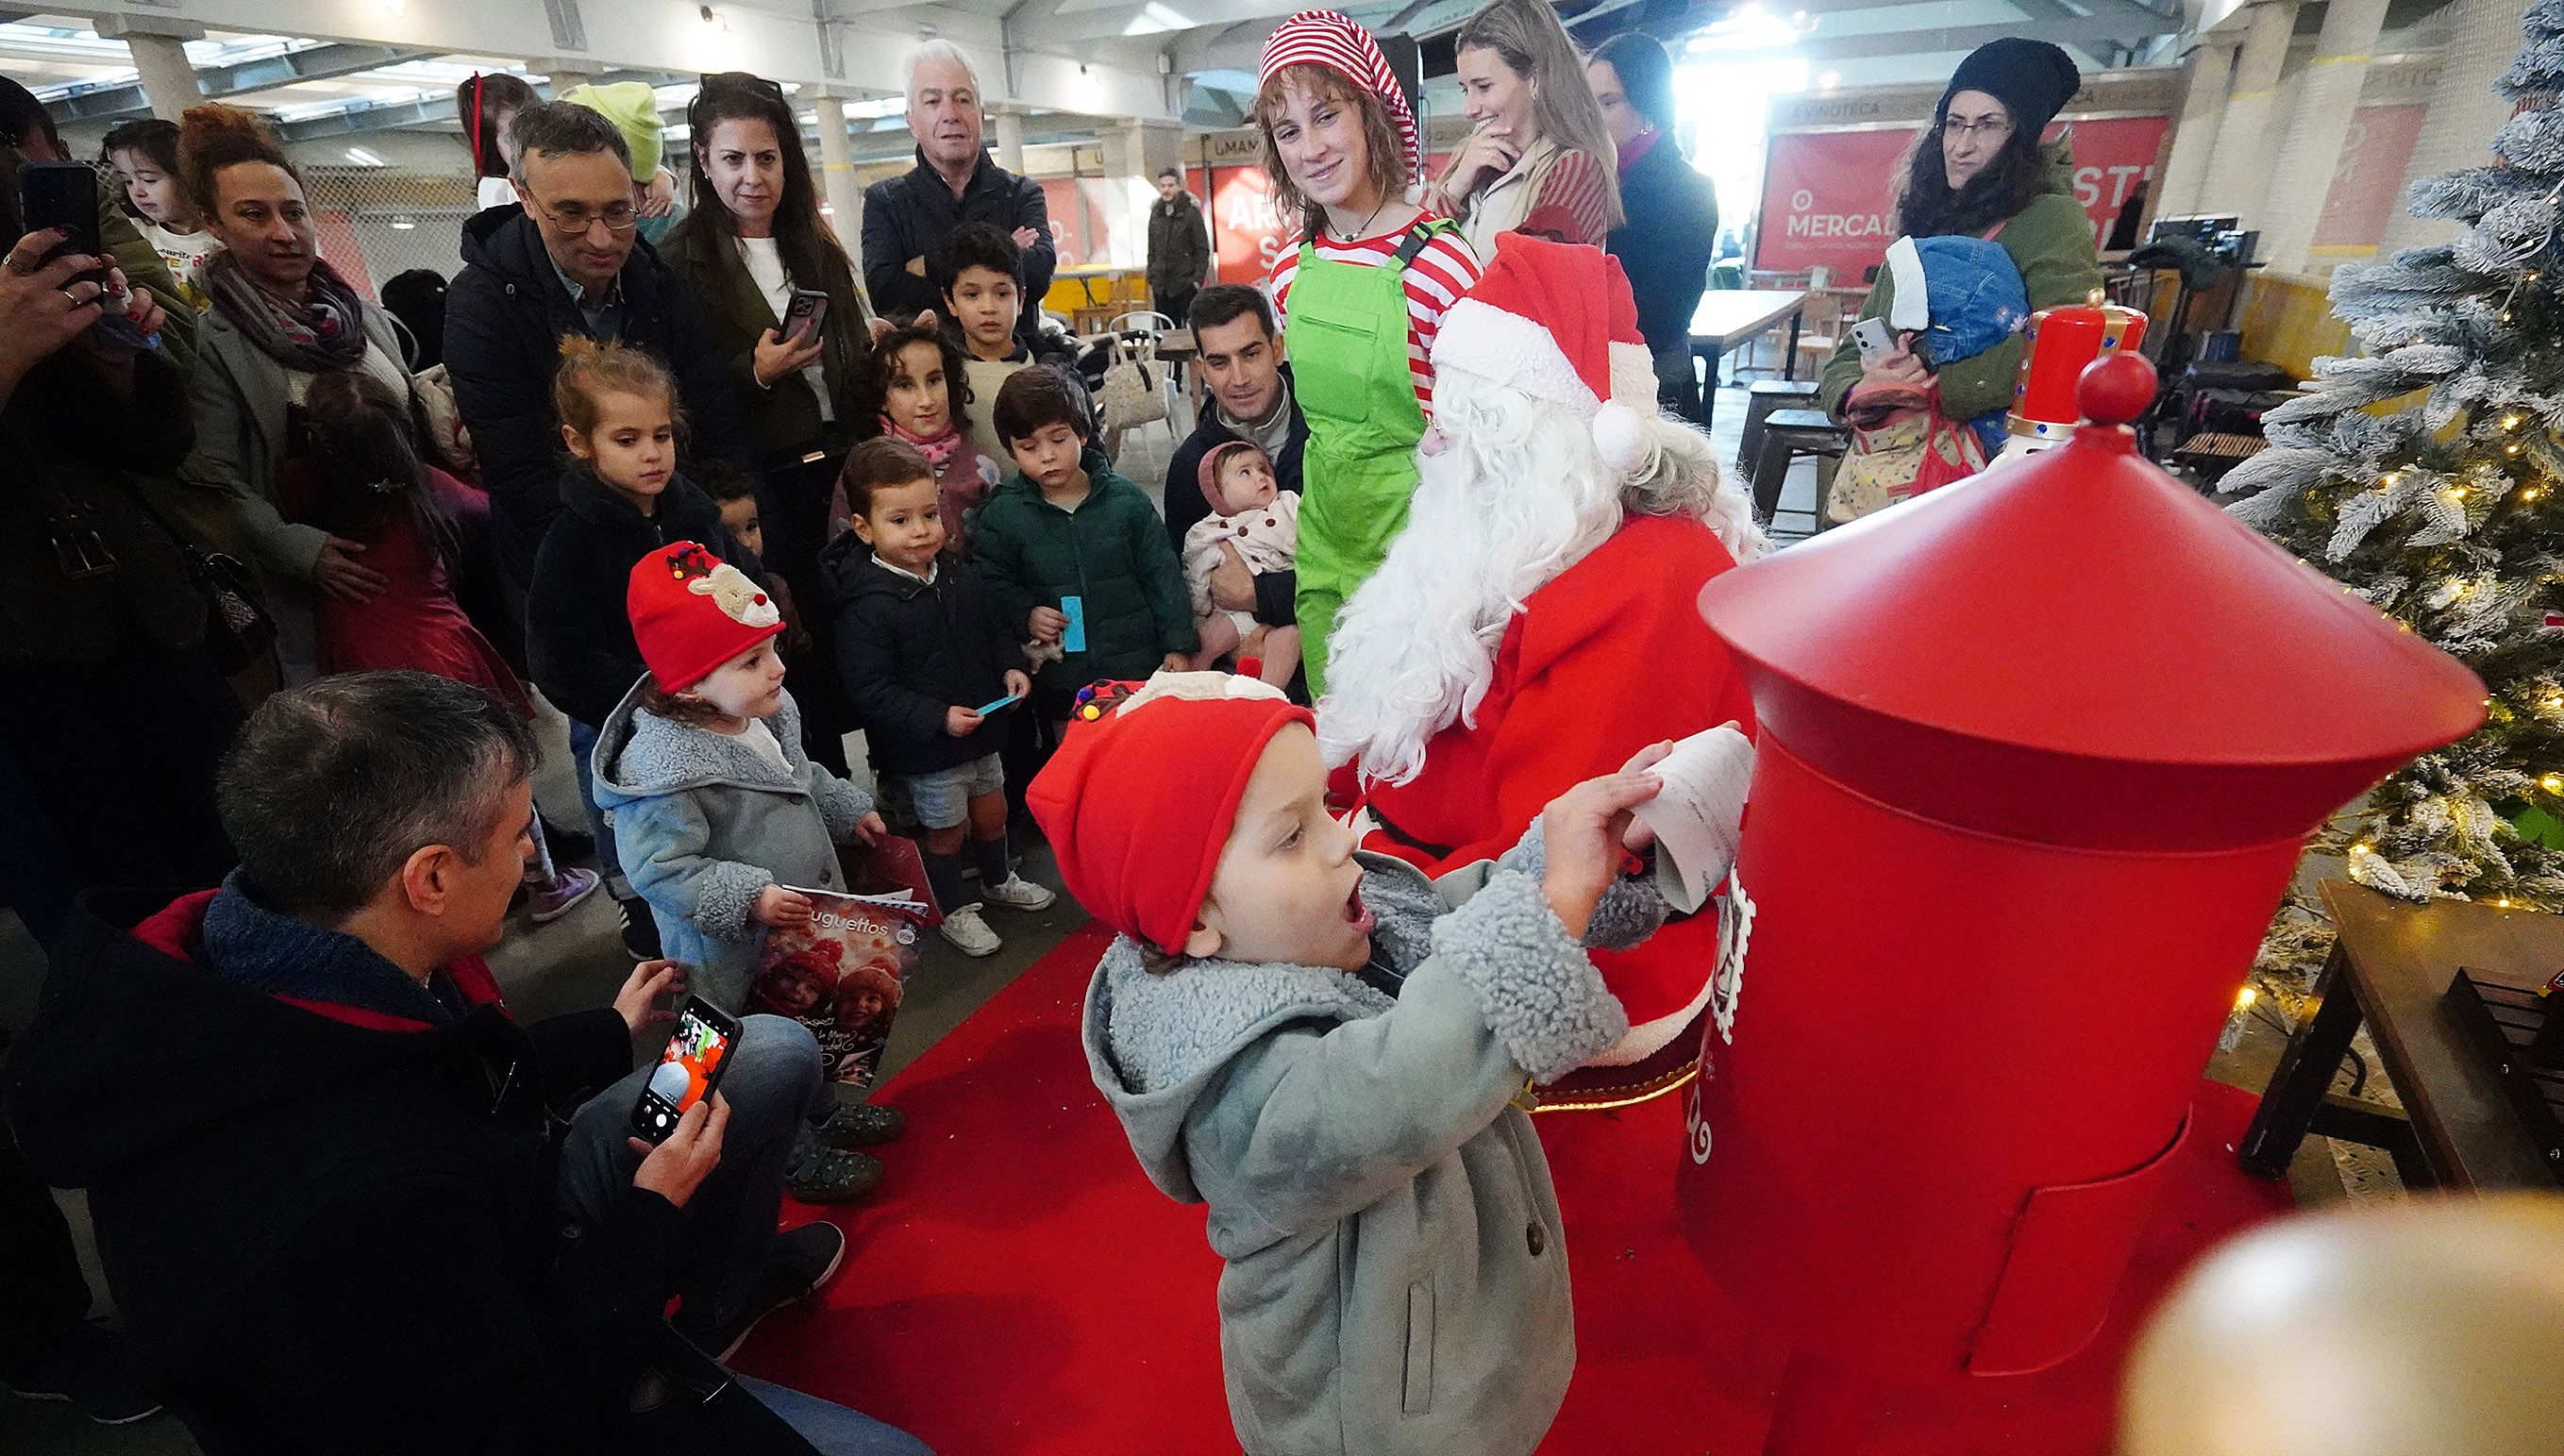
column 1359, row 321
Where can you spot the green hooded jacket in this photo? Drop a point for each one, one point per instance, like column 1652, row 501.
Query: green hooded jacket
column 1112, row 551
column 2050, row 241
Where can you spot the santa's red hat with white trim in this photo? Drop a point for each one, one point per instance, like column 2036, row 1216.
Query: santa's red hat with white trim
column 1556, row 320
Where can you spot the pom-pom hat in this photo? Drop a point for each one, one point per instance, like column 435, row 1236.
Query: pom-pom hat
column 691, row 612
column 1139, row 800
column 1556, row 320
column 1332, row 39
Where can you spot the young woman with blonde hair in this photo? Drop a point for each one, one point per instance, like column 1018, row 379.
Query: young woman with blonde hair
column 1540, row 157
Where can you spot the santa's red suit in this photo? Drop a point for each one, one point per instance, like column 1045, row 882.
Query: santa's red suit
column 1602, row 659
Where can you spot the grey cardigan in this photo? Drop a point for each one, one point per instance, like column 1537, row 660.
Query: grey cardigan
column 240, row 396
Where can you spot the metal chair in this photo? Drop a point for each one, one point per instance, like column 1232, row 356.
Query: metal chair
column 1762, row 397
column 1787, row 435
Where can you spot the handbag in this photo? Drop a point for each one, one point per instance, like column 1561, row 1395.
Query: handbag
column 1131, row 393
column 237, row 631
column 1901, row 446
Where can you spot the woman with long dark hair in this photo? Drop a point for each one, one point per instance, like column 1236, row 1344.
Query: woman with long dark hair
column 1671, row 233
column 1981, row 171
column 486, row 105
column 753, row 239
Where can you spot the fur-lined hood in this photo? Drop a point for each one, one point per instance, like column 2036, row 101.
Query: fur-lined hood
column 640, row 754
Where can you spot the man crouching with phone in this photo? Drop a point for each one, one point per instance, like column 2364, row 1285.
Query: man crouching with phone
column 344, row 1200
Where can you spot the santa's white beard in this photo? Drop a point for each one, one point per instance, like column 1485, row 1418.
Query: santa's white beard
column 1518, row 497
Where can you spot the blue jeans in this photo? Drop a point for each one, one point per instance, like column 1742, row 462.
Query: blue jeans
column 582, row 746
column 834, row 1429
column 775, row 1087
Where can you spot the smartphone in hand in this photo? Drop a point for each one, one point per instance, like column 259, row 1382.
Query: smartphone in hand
column 62, row 195
column 1874, row 340
column 804, row 315
column 688, row 1071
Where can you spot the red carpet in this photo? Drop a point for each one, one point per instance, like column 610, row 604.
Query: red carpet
column 1016, row 1286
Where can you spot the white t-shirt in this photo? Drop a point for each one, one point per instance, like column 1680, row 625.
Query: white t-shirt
column 186, row 255
column 495, row 192
column 765, row 258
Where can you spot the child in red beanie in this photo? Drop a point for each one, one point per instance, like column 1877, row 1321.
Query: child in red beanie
column 718, row 811
column 1328, row 1049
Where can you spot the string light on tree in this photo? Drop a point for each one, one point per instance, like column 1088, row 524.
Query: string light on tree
column 2391, row 475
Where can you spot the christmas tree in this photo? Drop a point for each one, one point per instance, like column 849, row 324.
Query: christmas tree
column 2424, row 476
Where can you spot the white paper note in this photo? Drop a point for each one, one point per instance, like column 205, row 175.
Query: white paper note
column 1698, row 815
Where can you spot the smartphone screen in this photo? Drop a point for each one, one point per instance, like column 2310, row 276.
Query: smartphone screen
column 688, row 1071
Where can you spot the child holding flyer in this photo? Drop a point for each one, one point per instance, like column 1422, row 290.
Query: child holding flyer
column 928, row 662
column 1360, row 299
column 717, row 812
column 1327, row 1048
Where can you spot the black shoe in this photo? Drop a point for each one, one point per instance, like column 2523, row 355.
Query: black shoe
column 89, row 1368
column 862, row 1125
column 800, row 1264
column 567, row 843
column 640, row 930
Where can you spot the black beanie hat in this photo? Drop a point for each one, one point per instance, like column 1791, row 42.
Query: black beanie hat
column 2033, row 78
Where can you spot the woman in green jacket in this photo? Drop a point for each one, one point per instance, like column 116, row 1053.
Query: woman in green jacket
column 753, row 238
column 1981, row 169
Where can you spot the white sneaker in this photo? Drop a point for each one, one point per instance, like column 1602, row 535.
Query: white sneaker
column 1019, row 892
column 968, row 934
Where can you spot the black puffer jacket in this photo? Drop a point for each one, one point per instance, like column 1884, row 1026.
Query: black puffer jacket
column 578, row 637
column 504, row 318
column 908, row 652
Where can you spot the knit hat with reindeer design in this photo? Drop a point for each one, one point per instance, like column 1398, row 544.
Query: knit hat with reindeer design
column 691, row 612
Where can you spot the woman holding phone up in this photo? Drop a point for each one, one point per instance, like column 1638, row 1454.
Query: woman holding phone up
column 753, row 244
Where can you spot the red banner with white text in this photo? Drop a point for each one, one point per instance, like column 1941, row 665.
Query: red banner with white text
column 1828, row 196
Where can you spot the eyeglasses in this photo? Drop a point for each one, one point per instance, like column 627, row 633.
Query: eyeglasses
column 1993, row 128
column 573, row 220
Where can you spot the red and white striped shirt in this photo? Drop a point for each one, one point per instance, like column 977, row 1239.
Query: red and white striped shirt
column 1575, row 183
column 1441, row 272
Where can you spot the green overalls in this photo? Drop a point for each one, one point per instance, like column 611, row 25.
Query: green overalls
column 1346, row 338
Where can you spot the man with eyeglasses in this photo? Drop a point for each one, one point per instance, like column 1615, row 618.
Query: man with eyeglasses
column 570, row 259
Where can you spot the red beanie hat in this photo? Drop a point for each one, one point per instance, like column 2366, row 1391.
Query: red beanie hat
column 692, row 611
column 1138, row 799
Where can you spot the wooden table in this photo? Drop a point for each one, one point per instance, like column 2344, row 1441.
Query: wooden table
column 2391, row 968
column 1727, row 317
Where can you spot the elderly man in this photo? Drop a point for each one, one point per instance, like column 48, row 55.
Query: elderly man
column 568, row 260
column 909, row 217
column 345, row 1201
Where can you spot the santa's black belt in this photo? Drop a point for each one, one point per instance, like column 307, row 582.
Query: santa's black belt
column 1382, row 822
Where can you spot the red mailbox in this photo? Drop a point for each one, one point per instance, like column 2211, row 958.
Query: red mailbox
column 2038, row 756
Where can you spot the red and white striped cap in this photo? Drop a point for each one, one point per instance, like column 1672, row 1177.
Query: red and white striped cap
column 1332, row 39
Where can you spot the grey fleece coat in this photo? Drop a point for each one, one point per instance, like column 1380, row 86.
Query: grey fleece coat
column 703, row 823
column 1396, row 1284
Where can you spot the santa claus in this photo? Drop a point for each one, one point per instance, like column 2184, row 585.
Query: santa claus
column 1534, row 626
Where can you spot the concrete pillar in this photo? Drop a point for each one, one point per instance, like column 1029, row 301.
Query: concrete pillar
column 2464, row 110
column 837, row 184
column 2329, row 93
column 2209, row 78
column 1134, row 153
column 2238, row 170
column 159, row 47
column 1010, row 141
